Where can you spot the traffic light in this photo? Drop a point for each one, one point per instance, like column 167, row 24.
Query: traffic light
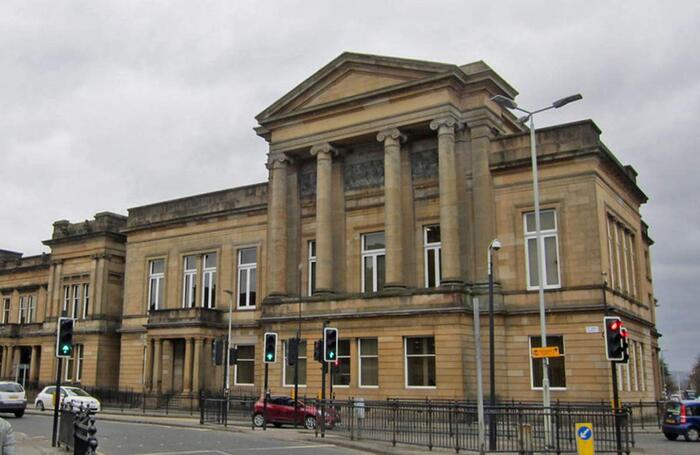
column 217, row 352
column 330, row 344
column 625, row 345
column 64, row 338
column 292, row 351
column 318, row 351
column 233, row 356
column 270, row 347
column 614, row 340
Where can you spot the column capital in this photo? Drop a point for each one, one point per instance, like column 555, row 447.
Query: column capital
column 447, row 124
column 277, row 161
column 391, row 133
column 324, row 150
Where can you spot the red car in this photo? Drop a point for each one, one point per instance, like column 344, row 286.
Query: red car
column 280, row 410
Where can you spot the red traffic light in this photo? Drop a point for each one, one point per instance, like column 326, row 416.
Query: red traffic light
column 615, row 325
column 624, row 333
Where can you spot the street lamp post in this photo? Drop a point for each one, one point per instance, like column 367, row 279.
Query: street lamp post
column 529, row 115
column 495, row 245
column 228, row 343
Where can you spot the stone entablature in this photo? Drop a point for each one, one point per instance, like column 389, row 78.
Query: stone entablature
column 104, row 223
column 15, row 262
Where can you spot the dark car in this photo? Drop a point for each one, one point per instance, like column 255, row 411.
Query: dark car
column 682, row 418
column 280, row 410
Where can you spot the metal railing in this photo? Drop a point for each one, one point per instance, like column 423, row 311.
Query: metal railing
column 77, row 430
column 236, row 409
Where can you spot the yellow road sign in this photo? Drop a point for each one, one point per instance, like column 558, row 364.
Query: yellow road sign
column 549, row 351
column 584, row 439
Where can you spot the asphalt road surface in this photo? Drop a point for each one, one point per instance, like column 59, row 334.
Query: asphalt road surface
column 657, row 444
column 125, row 438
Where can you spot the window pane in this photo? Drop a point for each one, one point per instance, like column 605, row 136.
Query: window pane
column 547, row 220
column 374, row 241
column 245, row 372
column 210, row 260
column 530, row 222
column 242, row 287
column 431, row 268
column 341, row 372
column 432, row 234
column 251, row 288
column 312, row 277
column 312, row 248
column 343, row 348
column 370, row 371
column 248, row 255
column 551, row 266
column 532, row 262
column 190, row 263
column 213, row 290
column 369, row 281
column 421, row 371
column 420, row 345
column 246, row 352
column 557, row 365
column 380, row 272
column 161, row 289
column 368, row 346
column 158, row 266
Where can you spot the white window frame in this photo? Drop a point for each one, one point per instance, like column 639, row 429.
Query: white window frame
column 31, row 309
column 235, row 369
column 209, row 294
column 311, row 267
column 373, row 255
column 532, row 376
column 284, row 364
column 544, row 234
column 361, row 356
column 246, row 268
column 6, row 307
column 436, row 247
column 66, row 299
column 22, row 316
column 405, row 362
column 189, row 283
column 75, row 300
column 155, row 279
column 86, row 299
column 79, row 359
column 348, row 357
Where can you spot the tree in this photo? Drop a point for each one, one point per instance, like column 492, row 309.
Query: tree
column 694, row 378
column 669, row 382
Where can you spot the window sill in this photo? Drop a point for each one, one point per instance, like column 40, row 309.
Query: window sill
column 243, row 384
column 368, row 386
column 301, row 386
column 421, row 387
column 245, row 308
column 557, row 389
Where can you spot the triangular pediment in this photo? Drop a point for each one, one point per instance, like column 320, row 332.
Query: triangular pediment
column 351, row 76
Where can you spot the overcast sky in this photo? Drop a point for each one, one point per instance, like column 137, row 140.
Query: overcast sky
column 110, row 105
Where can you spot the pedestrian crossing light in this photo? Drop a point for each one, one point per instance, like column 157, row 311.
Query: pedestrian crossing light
column 64, row 338
column 330, row 344
column 270, row 347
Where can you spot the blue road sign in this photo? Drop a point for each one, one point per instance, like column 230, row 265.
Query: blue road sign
column 585, row 433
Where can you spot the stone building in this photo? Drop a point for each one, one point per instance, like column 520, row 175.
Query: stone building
column 388, row 179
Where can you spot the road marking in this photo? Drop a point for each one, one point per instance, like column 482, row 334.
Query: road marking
column 249, row 449
column 313, row 446
column 189, row 452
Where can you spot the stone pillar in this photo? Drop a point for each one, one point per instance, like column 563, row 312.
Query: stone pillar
column 57, row 297
column 187, row 367
column 277, row 226
column 157, row 362
column 33, row 370
column 167, row 366
column 3, row 364
column 148, row 365
column 100, row 283
column 93, row 285
column 449, row 234
column 484, row 230
column 15, row 361
column 393, row 214
column 196, row 365
column 324, row 217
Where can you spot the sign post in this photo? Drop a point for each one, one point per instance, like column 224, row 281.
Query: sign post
column 584, row 439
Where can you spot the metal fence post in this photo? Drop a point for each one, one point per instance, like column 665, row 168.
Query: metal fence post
column 430, row 425
column 394, row 419
column 352, row 419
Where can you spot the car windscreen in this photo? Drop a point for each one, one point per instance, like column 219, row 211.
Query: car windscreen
column 78, row 392
column 11, row 388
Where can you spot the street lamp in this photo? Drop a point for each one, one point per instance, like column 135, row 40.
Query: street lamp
column 529, row 115
column 228, row 344
column 495, row 245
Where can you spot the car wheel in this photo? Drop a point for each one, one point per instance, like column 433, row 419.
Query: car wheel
column 310, row 422
column 258, row 420
column 693, row 434
column 19, row 414
column 40, row 405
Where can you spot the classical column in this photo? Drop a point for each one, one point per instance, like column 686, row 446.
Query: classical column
column 57, row 300
column 449, row 234
column 33, row 371
column 187, row 367
column 148, row 365
column 167, row 366
column 157, row 362
column 324, row 223
column 392, row 139
column 100, row 280
column 93, row 286
column 482, row 190
column 277, row 226
column 195, row 364
column 3, row 364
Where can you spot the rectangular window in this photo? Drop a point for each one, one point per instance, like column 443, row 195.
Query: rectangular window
column 31, row 309
column 618, row 259
column 433, row 260
column 22, row 309
column 548, row 230
column 86, row 300
column 341, row 368
column 79, row 362
column 247, row 281
column 245, row 366
column 5, row 310
column 373, row 256
column 156, row 288
column 557, row 365
column 633, row 267
column 369, row 362
column 642, row 366
column 611, row 252
column 626, row 258
column 312, row 267
column 420, row 362
column 66, row 301
column 75, row 307
column 209, row 280
column 70, row 364
column 288, row 373
column 189, row 282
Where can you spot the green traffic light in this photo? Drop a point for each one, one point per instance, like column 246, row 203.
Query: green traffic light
column 331, row 354
column 269, row 356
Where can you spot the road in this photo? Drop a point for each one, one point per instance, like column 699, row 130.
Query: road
column 126, row 438
column 657, row 444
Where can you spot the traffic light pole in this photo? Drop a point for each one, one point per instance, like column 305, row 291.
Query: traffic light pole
column 616, row 407
column 323, row 386
column 57, row 401
column 267, row 368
